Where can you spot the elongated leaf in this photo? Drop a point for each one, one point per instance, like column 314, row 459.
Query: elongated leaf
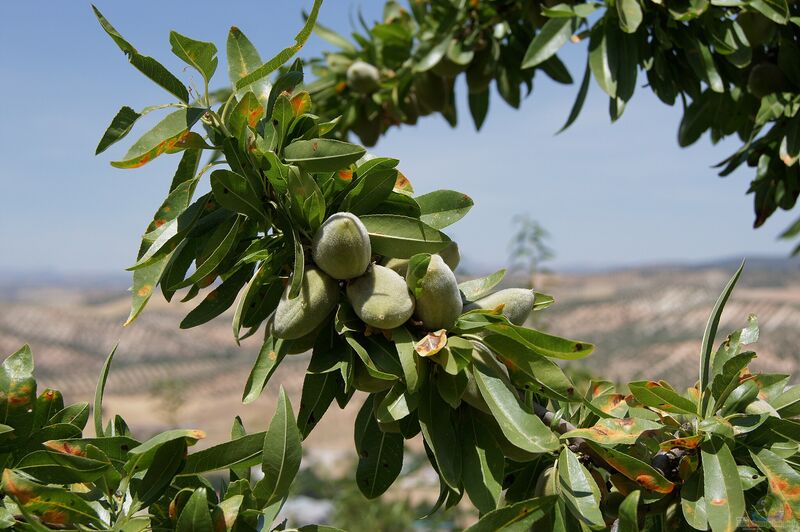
column 284, row 55
column 234, row 192
column 442, row 208
column 168, row 136
column 722, row 488
column 380, row 454
column 121, row 125
column 322, row 155
column 401, row 237
column 479, row 107
column 221, row 243
column 282, row 453
column 369, row 191
column 518, row 516
column 243, row 59
column 195, row 516
column 18, row 392
column 579, row 99
column 628, row 513
column 483, row 465
column 640, row 472
column 319, row 391
column 98, row 394
column 271, row 353
column 522, row 428
column 198, row 54
column 613, row 431
column 693, row 503
column 404, row 343
column 602, row 59
column 579, row 490
column 543, row 343
column 146, row 65
column 167, row 462
column 61, row 468
column 553, row 35
column 775, row 10
column 783, row 480
column 218, row 300
column 333, row 38
column 706, row 362
column 659, row 395
column 435, row 420
column 53, row 505
column 630, row 15
column 475, row 289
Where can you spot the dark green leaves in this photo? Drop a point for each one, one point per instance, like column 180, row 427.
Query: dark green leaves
column 579, row 489
column 724, row 498
column 380, row 454
column 235, row 193
column 198, row 54
column 402, row 237
column 120, row 126
column 442, row 208
column 553, row 35
column 146, row 65
column 323, row 155
column 282, row 454
column 518, row 516
column 630, row 15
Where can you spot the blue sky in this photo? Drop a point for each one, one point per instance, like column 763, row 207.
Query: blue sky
column 621, row 194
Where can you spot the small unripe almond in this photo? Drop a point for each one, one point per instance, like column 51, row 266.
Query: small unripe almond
column 439, row 302
column 517, row 303
column 295, row 318
column 363, row 77
column 341, row 246
column 380, row 298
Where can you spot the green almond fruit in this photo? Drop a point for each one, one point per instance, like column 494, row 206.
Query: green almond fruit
column 439, row 303
column 380, row 298
column 546, row 483
column 363, row 77
column 295, row 318
column 341, row 246
column 517, row 303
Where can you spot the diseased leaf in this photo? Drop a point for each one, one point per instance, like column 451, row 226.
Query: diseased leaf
column 723, row 494
column 640, row 472
column 660, row 395
column 613, row 431
column 170, row 135
column 269, row 356
column 198, row 54
column 518, row 516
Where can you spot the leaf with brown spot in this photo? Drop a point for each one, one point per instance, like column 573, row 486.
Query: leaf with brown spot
column 660, row 396
column 784, row 481
column 722, row 488
column 402, row 184
column 642, row 473
column 612, row 404
column 614, row 431
column 301, row 103
column 247, row 112
column 432, row 343
column 689, row 442
column 53, row 505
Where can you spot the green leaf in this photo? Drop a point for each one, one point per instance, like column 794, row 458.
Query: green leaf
column 553, row 35
column 722, row 488
column 542, row 343
column 167, row 462
column 98, row 394
column 62, row 468
column 146, row 65
column 369, row 191
column 579, row 99
column 579, row 490
column 660, row 395
column 170, row 135
column 218, row 300
column 269, row 356
column 775, row 10
column 614, row 431
column 783, row 479
column 322, row 155
column 402, row 237
column 479, row 107
column 195, row 516
column 52, row 505
column 628, row 513
column 200, row 55
column 282, row 454
column 121, row 125
column 222, row 241
column 693, row 503
column 442, row 208
column 436, row 422
column 602, row 59
column 416, row 271
column 241, row 452
column 630, row 15
column 333, row 38
column 18, row 392
column 404, row 343
column 235, row 193
column 483, row 464
column 319, row 391
column 243, row 60
column 380, row 454
column 522, row 428
column 284, row 55
column 475, row 289
column 706, row 351
column 77, row 415
column 519, row 516
column 640, row 472
column 299, row 264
